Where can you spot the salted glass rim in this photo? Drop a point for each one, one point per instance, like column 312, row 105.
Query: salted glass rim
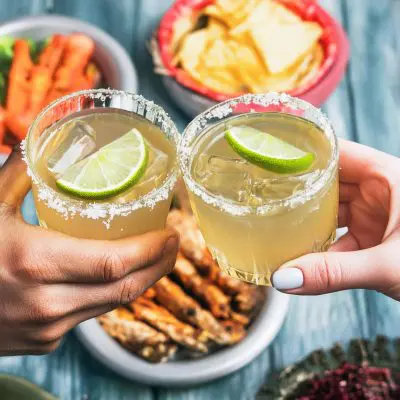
column 221, row 111
column 69, row 206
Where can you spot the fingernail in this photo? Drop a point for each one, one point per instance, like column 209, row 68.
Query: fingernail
column 170, row 245
column 287, row 278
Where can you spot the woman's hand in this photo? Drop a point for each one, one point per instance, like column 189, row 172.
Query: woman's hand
column 368, row 255
column 50, row 282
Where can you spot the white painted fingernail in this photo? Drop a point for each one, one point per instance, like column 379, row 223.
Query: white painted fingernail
column 287, row 279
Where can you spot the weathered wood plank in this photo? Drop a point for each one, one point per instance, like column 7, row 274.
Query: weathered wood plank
column 364, row 108
column 375, row 93
column 16, row 9
column 373, row 72
column 116, row 17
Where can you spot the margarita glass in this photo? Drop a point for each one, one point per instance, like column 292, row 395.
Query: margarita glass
column 72, row 129
column 254, row 220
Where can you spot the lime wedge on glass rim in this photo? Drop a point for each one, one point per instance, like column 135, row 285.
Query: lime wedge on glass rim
column 110, row 170
column 267, row 151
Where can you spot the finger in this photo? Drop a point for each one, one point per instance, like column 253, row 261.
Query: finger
column 132, row 286
column 55, row 258
column 330, row 272
column 77, row 298
column 348, row 192
column 343, row 215
column 346, row 243
column 78, row 302
column 357, row 161
column 52, row 334
column 14, row 178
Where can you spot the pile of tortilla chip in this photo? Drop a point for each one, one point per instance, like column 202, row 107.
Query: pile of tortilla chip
column 236, row 46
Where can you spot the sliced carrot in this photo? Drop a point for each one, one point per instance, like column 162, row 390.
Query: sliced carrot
column 4, row 149
column 78, row 51
column 19, row 124
column 41, row 82
column 52, row 54
column 81, row 43
column 62, row 69
column 18, row 85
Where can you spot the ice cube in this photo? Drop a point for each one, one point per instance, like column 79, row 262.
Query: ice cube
column 227, row 165
column 153, row 177
column 263, row 189
column 156, row 168
column 77, row 140
column 224, row 176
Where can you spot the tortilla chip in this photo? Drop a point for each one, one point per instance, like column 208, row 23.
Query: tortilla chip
column 222, row 81
column 249, row 67
column 217, row 67
column 314, row 66
column 265, row 12
column 218, row 55
column 182, row 26
column 195, row 43
column 284, row 15
column 216, row 28
column 297, row 75
column 207, row 58
column 249, row 45
column 192, row 48
column 231, row 12
column 282, row 45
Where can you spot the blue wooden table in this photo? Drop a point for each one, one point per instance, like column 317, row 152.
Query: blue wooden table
column 365, row 108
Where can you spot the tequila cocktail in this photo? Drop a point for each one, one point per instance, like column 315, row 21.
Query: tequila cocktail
column 103, row 165
column 260, row 209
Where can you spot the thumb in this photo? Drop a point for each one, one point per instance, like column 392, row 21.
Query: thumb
column 320, row 273
column 14, row 180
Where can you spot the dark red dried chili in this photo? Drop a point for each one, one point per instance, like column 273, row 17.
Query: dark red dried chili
column 352, row 382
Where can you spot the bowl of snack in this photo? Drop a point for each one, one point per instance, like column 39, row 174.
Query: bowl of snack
column 211, row 50
column 192, row 326
column 45, row 57
column 363, row 369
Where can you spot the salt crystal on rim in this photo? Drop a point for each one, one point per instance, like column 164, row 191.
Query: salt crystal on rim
column 220, row 111
column 68, row 207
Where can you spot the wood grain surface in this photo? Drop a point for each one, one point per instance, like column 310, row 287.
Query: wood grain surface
column 364, row 108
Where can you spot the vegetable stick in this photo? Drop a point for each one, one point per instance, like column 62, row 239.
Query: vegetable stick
column 137, row 336
column 161, row 319
column 18, row 79
column 51, row 55
column 78, row 51
column 4, row 149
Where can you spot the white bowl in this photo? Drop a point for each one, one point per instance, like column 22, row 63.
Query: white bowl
column 191, row 372
column 114, row 62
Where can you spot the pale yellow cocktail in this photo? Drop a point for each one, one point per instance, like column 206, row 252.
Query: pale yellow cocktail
column 76, row 127
column 254, row 219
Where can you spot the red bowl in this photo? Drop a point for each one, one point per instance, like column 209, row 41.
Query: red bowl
column 333, row 41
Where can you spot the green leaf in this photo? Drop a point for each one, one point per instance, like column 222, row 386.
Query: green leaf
column 3, row 89
column 6, row 53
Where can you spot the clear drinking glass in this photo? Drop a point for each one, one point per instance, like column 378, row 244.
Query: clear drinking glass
column 133, row 212
column 250, row 240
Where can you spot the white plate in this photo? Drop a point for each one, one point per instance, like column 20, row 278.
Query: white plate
column 3, row 159
column 191, row 372
column 114, row 62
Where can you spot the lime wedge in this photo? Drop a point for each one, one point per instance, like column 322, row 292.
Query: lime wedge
column 110, row 170
column 267, row 151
